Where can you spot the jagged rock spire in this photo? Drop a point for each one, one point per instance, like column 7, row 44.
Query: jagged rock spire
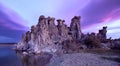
column 75, row 27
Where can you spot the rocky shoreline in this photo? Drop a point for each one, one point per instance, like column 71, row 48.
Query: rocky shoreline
column 81, row 59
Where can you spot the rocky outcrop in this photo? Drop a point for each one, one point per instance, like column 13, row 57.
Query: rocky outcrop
column 102, row 34
column 75, row 28
column 48, row 37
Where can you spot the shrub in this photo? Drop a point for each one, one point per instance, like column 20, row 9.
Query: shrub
column 92, row 42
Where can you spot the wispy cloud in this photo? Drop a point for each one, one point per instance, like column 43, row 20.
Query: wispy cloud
column 10, row 19
column 11, row 25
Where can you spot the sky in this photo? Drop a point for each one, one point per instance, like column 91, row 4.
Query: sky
column 17, row 16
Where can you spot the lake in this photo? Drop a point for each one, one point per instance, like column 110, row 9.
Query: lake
column 9, row 57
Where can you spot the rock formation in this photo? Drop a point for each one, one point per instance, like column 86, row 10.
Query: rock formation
column 102, row 34
column 48, row 37
column 75, row 28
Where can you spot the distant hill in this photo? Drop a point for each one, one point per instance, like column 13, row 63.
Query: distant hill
column 2, row 44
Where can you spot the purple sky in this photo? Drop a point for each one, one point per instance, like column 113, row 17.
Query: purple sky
column 16, row 17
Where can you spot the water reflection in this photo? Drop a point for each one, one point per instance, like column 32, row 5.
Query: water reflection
column 34, row 60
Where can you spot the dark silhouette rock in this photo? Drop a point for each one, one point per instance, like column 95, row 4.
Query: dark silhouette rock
column 102, row 34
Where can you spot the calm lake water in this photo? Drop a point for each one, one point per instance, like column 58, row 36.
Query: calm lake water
column 9, row 57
